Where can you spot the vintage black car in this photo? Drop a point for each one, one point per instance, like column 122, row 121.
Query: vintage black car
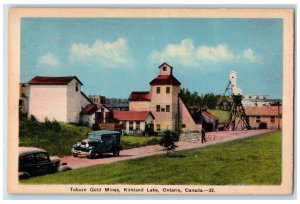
column 34, row 161
column 97, row 143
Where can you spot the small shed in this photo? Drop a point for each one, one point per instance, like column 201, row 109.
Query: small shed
column 208, row 120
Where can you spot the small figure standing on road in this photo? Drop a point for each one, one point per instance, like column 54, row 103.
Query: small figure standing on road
column 203, row 139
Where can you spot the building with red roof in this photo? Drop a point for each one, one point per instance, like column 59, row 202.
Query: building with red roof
column 268, row 114
column 96, row 114
column 132, row 115
column 164, row 103
column 208, row 120
column 135, row 120
column 56, row 98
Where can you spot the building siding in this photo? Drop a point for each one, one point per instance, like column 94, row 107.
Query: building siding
column 139, row 105
column 267, row 119
column 48, row 102
column 166, row 120
column 186, row 119
column 75, row 102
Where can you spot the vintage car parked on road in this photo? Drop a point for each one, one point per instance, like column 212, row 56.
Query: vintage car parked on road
column 97, row 143
column 34, row 161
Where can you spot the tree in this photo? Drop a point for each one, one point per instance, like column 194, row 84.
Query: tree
column 168, row 141
column 193, row 100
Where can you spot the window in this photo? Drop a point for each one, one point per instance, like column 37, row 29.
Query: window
column 28, row 159
column 167, row 108
column 162, row 109
column 157, row 108
column 183, row 126
column 168, row 90
column 130, row 125
column 157, row 127
column 258, row 119
column 164, row 68
column 272, row 119
column 158, row 90
column 137, row 125
column 76, row 87
column 41, row 157
column 20, row 103
column 250, row 96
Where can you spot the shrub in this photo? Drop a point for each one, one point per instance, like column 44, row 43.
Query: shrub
column 95, row 127
column 138, row 141
column 168, row 141
column 263, row 125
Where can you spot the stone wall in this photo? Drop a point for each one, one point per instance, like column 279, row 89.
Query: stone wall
column 190, row 136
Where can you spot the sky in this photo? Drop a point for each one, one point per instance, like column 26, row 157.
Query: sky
column 115, row 56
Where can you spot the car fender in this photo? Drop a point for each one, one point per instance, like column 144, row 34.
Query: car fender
column 64, row 168
column 54, row 159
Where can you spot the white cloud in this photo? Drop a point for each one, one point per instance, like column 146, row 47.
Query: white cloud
column 107, row 54
column 217, row 53
column 250, row 55
column 48, row 59
column 188, row 54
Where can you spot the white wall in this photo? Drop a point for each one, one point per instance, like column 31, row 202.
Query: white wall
column 75, row 102
column 142, row 125
column 48, row 101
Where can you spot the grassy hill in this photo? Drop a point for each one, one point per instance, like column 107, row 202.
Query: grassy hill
column 222, row 115
column 59, row 138
column 56, row 138
column 255, row 160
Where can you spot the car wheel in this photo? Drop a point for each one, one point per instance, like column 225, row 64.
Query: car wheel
column 74, row 154
column 92, row 154
column 116, row 153
column 24, row 175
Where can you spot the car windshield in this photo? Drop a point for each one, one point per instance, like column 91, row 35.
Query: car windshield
column 94, row 137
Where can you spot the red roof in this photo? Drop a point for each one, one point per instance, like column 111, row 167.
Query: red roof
column 132, row 115
column 165, row 80
column 210, row 115
column 263, row 110
column 140, row 96
column 45, row 80
column 92, row 108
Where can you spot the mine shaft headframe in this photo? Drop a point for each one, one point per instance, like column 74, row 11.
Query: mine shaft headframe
column 228, row 89
column 238, row 118
column 237, row 99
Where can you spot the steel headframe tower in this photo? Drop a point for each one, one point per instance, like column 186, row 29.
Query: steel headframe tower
column 238, row 120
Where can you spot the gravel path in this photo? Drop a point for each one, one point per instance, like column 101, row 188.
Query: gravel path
column 212, row 138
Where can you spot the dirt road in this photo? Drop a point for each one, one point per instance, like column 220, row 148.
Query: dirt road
column 213, row 138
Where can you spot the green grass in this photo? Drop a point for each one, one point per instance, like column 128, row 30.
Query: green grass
column 138, row 141
column 255, row 160
column 59, row 138
column 222, row 115
column 56, row 142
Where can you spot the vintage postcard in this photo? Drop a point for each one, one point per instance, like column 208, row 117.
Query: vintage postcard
column 151, row 101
